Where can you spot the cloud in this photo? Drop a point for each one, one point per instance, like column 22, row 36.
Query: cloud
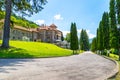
column 39, row 22
column 65, row 32
column 90, row 35
column 58, row 17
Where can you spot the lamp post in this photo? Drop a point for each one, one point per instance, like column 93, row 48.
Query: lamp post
column 118, row 28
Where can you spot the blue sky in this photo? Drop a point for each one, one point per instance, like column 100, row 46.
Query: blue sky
column 86, row 13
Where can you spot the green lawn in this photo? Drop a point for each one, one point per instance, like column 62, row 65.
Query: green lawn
column 22, row 49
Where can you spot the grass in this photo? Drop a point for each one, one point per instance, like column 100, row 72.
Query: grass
column 22, row 49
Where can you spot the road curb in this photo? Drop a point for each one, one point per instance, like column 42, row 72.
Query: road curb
column 115, row 70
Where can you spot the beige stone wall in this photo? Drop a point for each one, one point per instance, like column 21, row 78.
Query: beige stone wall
column 16, row 34
column 40, row 34
column 34, row 36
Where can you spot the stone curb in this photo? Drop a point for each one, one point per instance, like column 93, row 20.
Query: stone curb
column 115, row 70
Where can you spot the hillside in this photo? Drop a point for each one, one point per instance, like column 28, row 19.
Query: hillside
column 18, row 21
column 21, row 49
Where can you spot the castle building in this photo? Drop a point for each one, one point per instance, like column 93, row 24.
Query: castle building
column 44, row 33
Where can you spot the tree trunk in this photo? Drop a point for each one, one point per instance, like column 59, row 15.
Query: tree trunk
column 6, row 31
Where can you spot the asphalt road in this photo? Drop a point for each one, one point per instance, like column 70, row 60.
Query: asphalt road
column 86, row 66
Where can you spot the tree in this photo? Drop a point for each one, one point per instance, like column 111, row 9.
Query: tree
column 105, row 27
column 25, row 7
column 118, row 10
column 113, row 26
column 94, row 45
column 73, row 38
column 118, row 21
column 84, row 40
column 62, row 37
column 100, row 37
column 68, row 37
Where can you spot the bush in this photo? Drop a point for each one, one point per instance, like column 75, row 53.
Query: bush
column 24, row 38
column 114, row 51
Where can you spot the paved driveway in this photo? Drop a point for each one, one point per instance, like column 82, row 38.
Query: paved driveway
column 86, row 66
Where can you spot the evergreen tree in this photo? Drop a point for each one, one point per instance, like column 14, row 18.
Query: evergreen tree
column 86, row 43
column 97, row 38
column 118, row 10
column 118, row 21
column 113, row 26
column 62, row 37
column 84, row 40
column 100, row 37
column 25, row 7
column 105, row 27
column 81, row 40
column 94, row 45
column 74, row 38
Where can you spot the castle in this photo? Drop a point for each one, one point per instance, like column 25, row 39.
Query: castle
column 43, row 33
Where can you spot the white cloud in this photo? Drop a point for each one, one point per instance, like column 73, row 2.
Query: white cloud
column 58, row 17
column 65, row 32
column 90, row 35
column 39, row 22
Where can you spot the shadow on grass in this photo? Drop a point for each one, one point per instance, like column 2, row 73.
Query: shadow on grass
column 14, row 53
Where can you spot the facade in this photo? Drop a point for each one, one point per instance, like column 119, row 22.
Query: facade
column 43, row 33
column 49, row 33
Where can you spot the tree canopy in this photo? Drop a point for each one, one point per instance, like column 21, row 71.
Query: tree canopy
column 84, row 40
column 73, row 38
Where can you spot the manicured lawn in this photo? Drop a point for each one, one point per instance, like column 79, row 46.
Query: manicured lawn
column 22, row 49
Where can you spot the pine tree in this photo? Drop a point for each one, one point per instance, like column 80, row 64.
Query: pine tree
column 113, row 26
column 105, row 27
column 118, row 10
column 81, row 40
column 84, row 40
column 86, row 43
column 76, row 37
column 94, row 45
column 97, row 38
column 100, row 37
column 73, row 38
column 118, row 21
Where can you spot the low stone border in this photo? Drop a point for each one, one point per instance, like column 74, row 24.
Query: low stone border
column 115, row 70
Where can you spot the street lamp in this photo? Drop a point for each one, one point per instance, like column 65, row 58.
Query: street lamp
column 118, row 28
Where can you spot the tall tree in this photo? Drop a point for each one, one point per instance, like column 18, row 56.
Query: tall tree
column 25, row 7
column 100, row 37
column 113, row 26
column 118, row 10
column 81, row 40
column 73, row 38
column 84, row 40
column 105, row 27
column 94, row 45
column 118, row 21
